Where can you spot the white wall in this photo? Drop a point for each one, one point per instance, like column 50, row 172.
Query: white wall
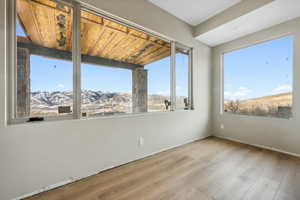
column 34, row 156
column 281, row 134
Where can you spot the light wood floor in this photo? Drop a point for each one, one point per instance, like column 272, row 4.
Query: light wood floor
column 209, row 169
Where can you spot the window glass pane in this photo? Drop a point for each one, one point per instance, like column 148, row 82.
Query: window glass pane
column 159, row 85
column 258, row 80
column 106, row 90
column 182, row 79
column 44, row 69
column 121, row 68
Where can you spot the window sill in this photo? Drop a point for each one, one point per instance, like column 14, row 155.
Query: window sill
column 133, row 115
column 226, row 114
column 120, row 116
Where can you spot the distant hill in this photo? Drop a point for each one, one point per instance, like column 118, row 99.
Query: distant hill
column 279, row 105
column 94, row 101
column 50, row 99
column 278, row 99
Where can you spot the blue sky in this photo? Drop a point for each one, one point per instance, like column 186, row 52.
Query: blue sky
column 56, row 75
column 19, row 30
column 261, row 70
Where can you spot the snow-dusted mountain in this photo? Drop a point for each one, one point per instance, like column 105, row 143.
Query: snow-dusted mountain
column 48, row 99
column 93, row 102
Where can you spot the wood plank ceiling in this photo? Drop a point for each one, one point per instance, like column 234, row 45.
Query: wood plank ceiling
column 49, row 24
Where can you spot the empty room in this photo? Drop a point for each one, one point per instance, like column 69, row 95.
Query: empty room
column 150, row 100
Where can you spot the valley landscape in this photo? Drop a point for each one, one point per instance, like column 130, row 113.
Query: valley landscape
column 93, row 102
column 279, row 105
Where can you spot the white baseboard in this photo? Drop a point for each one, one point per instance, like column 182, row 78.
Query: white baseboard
column 73, row 179
column 259, row 146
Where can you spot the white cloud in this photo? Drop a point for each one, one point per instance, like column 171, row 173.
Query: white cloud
column 282, row 89
column 61, row 86
column 240, row 93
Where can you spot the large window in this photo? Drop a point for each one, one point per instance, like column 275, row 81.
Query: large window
column 44, row 84
column 258, row 80
column 69, row 61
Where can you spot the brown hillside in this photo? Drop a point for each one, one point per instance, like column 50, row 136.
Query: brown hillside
column 279, row 105
column 284, row 99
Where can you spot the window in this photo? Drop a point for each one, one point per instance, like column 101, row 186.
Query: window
column 72, row 62
column 44, row 69
column 182, row 77
column 159, row 85
column 105, row 91
column 258, row 80
column 123, row 70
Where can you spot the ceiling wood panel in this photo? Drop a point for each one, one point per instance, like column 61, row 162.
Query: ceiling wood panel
column 49, row 24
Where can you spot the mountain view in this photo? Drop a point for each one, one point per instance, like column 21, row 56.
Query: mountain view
column 93, row 102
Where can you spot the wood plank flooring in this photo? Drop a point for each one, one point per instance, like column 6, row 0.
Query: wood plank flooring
column 210, row 169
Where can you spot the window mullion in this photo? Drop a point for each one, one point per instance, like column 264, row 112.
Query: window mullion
column 173, row 76
column 190, row 80
column 11, row 64
column 76, row 62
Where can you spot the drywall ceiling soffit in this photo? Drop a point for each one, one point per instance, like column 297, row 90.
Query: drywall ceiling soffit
column 241, row 21
column 194, row 12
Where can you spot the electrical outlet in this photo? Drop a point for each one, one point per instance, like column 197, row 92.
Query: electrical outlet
column 141, row 141
column 222, row 126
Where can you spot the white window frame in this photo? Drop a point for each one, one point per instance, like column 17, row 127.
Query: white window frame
column 77, row 6
column 190, row 74
column 251, row 44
